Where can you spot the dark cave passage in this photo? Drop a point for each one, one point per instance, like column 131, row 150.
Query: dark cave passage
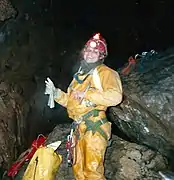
column 128, row 30
column 45, row 40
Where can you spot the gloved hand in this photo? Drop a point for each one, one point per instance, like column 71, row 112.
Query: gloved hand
column 50, row 88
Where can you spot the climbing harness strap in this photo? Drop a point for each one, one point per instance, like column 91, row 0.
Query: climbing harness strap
column 74, row 133
column 80, row 81
column 94, row 113
column 95, row 127
column 76, row 77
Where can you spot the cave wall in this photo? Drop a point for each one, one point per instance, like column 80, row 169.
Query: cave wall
column 7, row 10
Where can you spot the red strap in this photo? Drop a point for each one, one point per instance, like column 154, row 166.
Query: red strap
column 127, row 69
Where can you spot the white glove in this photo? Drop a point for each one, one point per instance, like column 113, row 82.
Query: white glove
column 50, row 90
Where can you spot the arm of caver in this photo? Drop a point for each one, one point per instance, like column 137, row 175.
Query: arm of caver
column 61, row 97
column 111, row 92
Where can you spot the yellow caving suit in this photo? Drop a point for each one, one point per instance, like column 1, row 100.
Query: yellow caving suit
column 103, row 91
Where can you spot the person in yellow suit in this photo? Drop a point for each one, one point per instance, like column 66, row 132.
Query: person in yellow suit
column 93, row 89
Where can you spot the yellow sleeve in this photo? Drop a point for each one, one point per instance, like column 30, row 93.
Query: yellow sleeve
column 62, row 98
column 111, row 95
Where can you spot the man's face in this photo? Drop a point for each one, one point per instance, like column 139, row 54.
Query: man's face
column 91, row 55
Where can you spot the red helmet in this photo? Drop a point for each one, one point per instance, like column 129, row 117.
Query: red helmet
column 98, row 42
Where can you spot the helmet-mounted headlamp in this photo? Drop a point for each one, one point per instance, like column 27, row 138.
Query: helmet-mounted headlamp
column 99, row 43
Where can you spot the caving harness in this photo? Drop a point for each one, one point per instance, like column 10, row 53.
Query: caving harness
column 99, row 43
column 74, row 133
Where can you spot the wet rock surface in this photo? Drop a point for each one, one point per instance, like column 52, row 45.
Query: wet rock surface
column 146, row 113
column 25, row 61
column 17, row 85
column 13, row 113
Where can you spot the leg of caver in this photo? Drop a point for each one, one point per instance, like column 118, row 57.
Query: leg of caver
column 94, row 151
column 78, row 166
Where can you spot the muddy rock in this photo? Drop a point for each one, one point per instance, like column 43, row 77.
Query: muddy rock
column 131, row 161
column 13, row 110
column 146, row 113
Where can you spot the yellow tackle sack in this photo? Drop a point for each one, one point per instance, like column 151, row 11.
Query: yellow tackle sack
column 44, row 164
